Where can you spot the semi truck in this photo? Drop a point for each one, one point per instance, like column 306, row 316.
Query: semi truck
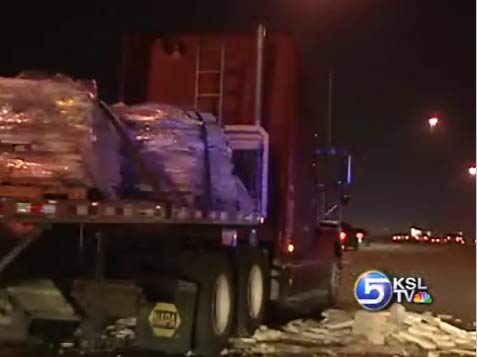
column 194, row 277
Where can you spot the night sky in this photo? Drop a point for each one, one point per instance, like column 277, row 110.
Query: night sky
column 395, row 64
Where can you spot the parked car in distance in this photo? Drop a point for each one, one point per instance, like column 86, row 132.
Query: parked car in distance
column 349, row 237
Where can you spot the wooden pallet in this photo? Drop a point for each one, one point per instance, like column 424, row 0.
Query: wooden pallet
column 43, row 192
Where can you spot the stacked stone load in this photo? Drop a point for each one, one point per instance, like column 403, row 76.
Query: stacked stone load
column 51, row 134
column 172, row 145
column 54, row 133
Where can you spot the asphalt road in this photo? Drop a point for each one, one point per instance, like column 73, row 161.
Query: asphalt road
column 448, row 271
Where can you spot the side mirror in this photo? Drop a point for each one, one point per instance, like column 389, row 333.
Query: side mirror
column 338, row 163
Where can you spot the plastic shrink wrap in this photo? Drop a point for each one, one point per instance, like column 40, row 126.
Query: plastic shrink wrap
column 172, row 144
column 53, row 133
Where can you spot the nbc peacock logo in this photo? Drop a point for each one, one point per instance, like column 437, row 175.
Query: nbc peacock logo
column 422, row 297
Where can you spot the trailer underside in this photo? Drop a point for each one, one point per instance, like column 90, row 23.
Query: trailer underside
column 171, row 280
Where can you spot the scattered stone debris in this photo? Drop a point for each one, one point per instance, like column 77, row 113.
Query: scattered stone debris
column 41, row 297
column 115, row 337
column 6, row 309
column 395, row 332
column 67, row 344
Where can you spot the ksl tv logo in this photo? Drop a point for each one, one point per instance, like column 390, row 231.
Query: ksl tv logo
column 374, row 290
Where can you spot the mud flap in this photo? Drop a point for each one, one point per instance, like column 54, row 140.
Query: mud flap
column 166, row 320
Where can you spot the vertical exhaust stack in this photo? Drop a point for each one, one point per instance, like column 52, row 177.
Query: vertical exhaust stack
column 261, row 33
column 123, row 70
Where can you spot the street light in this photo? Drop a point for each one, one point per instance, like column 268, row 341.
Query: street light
column 472, row 170
column 433, row 122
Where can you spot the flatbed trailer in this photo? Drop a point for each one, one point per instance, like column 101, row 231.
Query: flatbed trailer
column 195, row 277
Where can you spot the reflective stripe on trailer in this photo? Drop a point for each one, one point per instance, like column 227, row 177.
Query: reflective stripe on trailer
column 77, row 211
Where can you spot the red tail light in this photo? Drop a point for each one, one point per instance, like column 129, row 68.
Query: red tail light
column 20, row 229
column 36, row 208
column 359, row 235
column 342, row 236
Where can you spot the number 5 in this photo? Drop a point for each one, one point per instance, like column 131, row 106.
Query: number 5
column 374, row 284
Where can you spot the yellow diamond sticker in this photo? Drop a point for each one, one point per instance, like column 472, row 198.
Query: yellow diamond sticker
column 164, row 319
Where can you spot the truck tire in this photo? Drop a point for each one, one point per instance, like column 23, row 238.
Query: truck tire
column 215, row 307
column 253, row 289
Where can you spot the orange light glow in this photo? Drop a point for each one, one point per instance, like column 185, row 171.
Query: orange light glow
column 290, row 248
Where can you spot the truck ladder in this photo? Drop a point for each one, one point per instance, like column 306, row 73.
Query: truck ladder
column 215, row 95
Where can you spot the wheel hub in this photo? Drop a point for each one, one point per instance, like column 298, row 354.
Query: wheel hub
column 255, row 291
column 221, row 307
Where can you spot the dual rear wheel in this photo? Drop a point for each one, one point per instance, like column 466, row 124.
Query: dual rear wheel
column 232, row 296
column 233, row 293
